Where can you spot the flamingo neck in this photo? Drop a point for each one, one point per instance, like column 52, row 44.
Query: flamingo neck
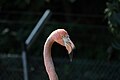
column 48, row 62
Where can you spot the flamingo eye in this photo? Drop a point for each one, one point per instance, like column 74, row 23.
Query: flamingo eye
column 63, row 36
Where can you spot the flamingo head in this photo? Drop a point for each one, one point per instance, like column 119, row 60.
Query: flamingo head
column 61, row 37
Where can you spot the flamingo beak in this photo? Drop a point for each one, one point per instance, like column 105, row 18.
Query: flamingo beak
column 69, row 46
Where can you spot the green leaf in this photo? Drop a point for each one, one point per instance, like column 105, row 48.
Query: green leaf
column 112, row 29
column 110, row 25
column 109, row 22
column 106, row 10
column 109, row 14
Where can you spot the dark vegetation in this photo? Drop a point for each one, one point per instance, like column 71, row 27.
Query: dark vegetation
column 83, row 19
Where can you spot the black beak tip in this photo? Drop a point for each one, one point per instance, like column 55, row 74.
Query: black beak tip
column 71, row 56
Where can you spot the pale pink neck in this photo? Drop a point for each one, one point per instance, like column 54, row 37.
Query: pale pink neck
column 48, row 60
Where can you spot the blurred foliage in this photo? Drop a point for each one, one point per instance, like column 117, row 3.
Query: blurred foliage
column 112, row 13
column 16, row 26
column 19, row 17
column 90, row 41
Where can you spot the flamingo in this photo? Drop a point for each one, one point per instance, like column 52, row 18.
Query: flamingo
column 61, row 37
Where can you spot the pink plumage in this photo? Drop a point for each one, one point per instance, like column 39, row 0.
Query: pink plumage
column 61, row 37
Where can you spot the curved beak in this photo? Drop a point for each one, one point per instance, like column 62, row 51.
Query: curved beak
column 69, row 46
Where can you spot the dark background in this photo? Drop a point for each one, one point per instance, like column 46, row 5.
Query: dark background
column 83, row 19
column 94, row 57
